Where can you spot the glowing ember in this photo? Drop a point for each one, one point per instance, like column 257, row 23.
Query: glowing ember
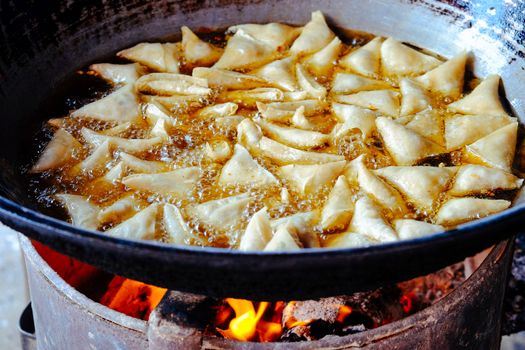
column 298, row 324
column 406, row 302
column 344, row 312
column 252, row 323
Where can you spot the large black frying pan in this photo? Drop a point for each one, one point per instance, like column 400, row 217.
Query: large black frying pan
column 42, row 42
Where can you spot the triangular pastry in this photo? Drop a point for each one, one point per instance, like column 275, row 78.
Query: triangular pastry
column 160, row 130
column 177, row 104
column 229, row 123
column 460, row 210
column 134, row 146
column 300, row 121
column 414, row 99
column 168, row 84
column 197, row 52
column 118, row 130
column 461, row 130
column 258, row 232
column 177, row 229
column 82, row 212
column 448, row 78
column 484, row 99
column 249, row 135
column 284, row 239
column 347, row 83
column 365, row 60
column 322, row 62
column 57, row 152
column 302, row 139
column 276, row 35
column 310, row 179
column 353, row 117
column 250, row 98
column 280, row 73
column 283, row 111
column 368, row 221
column 349, row 240
column 157, row 56
column 477, row 179
column 243, row 51
column 178, row 183
column 295, row 96
column 399, row 59
column 243, row 170
column 119, row 210
column 222, row 214
column 315, row 35
column 217, row 151
column 404, row 145
column 218, row 110
column 376, row 188
column 137, row 165
column 496, row 149
column 228, row 80
column 302, row 221
column 114, row 174
column 308, row 83
column 118, row 73
column 154, row 112
column 337, row 210
column 121, row 106
column 409, row 229
column 95, row 162
column 421, row 185
column 383, row 101
column 140, row 226
column 428, row 123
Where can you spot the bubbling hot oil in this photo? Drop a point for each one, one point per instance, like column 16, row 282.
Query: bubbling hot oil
column 189, row 132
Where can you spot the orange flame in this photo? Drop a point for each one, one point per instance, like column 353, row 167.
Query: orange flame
column 133, row 298
column 248, row 323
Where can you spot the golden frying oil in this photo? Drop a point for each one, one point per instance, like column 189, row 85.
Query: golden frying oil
column 186, row 148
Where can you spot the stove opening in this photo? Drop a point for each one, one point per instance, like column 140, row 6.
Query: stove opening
column 133, row 298
column 261, row 321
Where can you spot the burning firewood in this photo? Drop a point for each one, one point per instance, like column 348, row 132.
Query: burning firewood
column 314, row 319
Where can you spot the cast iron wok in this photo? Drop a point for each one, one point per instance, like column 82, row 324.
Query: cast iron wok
column 41, row 43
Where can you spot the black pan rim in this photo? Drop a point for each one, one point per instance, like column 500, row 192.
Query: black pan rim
column 15, row 211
